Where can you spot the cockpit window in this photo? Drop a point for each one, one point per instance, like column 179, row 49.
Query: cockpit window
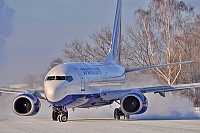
column 69, row 78
column 60, row 77
column 51, row 78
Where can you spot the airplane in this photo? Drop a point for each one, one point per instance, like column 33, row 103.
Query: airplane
column 91, row 84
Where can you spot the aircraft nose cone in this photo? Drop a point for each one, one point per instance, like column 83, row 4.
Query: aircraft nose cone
column 53, row 92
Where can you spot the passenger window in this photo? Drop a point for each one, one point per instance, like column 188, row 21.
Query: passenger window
column 51, row 78
column 69, row 78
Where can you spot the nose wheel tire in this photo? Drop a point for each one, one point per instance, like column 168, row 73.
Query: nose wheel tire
column 54, row 115
column 63, row 117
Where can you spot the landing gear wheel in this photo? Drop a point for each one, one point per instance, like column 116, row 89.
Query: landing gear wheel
column 63, row 117
column 59, row 118
column 126, row 117
column 117, row 114
column 54, row 115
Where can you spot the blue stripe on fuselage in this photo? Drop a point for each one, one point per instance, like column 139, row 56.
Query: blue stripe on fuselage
column 80, row 100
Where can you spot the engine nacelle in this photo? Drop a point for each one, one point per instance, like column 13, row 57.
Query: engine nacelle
column 26, row 105
column 134, row 103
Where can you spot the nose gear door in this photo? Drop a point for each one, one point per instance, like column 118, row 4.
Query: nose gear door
column 82, row 79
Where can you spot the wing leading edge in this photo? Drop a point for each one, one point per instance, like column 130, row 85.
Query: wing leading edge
column 118, row 94
column 11, row 90
column 38, row 93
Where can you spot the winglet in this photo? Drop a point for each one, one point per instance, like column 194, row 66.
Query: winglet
column 114, row 52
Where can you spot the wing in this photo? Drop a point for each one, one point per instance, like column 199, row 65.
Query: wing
column 155, row 66
column 118, row 94
column 38, row 93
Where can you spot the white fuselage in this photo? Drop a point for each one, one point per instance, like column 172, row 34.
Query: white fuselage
column 75, row 84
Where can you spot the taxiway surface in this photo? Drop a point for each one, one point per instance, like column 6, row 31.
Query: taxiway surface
column 99, row 126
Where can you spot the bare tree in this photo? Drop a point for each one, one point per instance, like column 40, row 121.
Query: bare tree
column 56, row 62
column 153, row 38
column 190, row 42
column 78, row 50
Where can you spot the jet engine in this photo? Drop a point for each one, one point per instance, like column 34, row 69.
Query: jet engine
column 134, row 103
column 26, row 105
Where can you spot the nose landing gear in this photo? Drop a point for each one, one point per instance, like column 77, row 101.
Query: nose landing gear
column 59, row 114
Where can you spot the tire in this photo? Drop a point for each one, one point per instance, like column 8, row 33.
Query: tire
column 117, row 114
column 64, row 118
column 126, row 117
column 54, row 116
column 59, row 118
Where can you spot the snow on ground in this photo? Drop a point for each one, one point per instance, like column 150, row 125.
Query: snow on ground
column 100, row 126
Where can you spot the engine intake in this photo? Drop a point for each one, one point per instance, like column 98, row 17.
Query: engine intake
column 26, row 105
column 134, row 103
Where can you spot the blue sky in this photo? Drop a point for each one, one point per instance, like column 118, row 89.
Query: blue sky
column 39, row 29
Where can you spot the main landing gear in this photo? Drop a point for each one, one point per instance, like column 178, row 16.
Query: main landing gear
column 59, row 114
column 118, row 112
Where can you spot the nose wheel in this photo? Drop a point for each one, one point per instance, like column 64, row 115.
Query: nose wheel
column 63, row 117
column 59, row 114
